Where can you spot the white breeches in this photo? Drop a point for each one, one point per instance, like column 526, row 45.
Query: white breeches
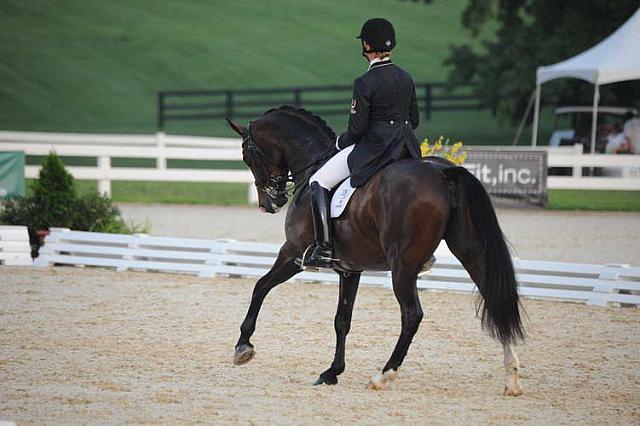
column 333, row 171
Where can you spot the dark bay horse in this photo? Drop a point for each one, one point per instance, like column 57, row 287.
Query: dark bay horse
column 394, row 222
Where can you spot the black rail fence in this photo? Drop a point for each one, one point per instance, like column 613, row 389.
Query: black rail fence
column 183, row 105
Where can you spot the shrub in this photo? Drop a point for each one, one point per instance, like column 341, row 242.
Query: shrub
column 97, row 213
column 53, row 202
column 54, row 194
column 18, row 211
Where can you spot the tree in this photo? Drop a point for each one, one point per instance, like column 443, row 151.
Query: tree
column 531, row 33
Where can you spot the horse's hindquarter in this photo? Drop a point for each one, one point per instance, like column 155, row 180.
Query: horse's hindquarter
column 398, row 216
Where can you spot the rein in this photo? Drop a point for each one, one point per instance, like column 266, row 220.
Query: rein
column 320, row 160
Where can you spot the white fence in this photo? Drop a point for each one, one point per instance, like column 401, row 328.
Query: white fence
column 592, row 284
column 621, row 171
column 14, row 246
column 161, row 147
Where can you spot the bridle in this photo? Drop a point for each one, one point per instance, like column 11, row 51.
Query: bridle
column 274, row 186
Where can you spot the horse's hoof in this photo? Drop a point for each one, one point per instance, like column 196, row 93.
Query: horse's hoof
column 244, row 354
column 381, row 381
column 512, row 387
column 326, row 380
column 517, row 391
column 377, row 382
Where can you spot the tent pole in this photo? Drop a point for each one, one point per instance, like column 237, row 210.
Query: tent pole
column 594, row 117
column 516, row 139
column 536, row 113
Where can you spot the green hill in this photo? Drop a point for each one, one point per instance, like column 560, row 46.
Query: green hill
column 96, row 66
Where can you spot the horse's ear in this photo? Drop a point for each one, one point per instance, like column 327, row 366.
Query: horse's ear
column 238, row 128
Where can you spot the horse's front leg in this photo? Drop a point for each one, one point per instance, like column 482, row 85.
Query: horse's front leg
column 342, row 323
column 283, row 269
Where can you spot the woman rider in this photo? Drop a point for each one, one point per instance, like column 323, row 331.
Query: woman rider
column 384, row 112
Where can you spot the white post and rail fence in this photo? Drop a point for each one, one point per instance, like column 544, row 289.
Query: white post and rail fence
column 622, row 171
column 610, row 284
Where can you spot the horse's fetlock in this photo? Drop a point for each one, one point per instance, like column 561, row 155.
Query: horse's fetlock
column 246, row 331
column 337, row 368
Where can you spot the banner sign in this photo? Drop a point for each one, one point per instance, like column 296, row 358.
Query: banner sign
column 511, row 174
column 11, row 174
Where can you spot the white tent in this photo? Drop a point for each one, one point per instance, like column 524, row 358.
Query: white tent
column 616, row 58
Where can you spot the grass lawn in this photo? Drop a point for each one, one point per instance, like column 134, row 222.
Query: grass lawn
column 471, row 127
column 221, row 194
column 564, row 199
column 95, row 66
column 236, row 194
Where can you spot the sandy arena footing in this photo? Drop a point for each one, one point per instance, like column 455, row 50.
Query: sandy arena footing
column 84, row 345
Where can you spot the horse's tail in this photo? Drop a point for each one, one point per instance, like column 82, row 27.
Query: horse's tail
column 474, row 236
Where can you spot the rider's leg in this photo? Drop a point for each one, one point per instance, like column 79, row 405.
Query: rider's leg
column 329, row 175
column 321, row 254
column 334, row 171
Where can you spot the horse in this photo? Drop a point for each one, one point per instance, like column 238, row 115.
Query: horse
column 394, row 222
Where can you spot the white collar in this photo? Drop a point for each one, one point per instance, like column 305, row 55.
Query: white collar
column 376, row 60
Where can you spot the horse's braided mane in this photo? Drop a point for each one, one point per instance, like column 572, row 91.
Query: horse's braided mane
column 307, row 116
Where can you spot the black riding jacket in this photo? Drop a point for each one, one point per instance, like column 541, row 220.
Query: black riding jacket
column 384, row 112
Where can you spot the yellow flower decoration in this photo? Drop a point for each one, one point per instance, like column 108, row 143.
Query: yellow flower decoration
column 441, row 148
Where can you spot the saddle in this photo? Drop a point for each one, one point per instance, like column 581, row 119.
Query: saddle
column 340, row 198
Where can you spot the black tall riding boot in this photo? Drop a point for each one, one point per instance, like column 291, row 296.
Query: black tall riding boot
column 321, row 251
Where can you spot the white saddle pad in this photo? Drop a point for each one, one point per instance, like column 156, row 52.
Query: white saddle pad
column 341, row 198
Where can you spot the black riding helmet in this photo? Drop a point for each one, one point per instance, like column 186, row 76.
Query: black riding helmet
column 379, row 34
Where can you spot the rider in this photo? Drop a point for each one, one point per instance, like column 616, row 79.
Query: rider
column 384, row 112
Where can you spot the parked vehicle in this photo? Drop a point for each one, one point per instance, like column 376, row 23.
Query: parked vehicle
column 573, row 125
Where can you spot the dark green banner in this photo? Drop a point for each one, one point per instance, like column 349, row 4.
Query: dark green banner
column 11, row 174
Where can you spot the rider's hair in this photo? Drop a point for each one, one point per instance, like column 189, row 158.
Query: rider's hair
column 383, row 55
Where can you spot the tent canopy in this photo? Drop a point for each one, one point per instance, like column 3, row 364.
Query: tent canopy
column 616, row 58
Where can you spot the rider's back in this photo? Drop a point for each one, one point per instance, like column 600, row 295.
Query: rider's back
column 390, row 89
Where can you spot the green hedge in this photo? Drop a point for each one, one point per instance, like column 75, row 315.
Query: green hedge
column 53, row 201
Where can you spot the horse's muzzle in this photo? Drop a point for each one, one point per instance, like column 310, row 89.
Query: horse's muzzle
column 280, row 201
column 270, row 208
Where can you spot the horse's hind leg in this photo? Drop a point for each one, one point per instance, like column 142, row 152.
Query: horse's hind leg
column 348, row 290
column 406, row 292
column 512, row 385
column 283, row 269
column 469, row 255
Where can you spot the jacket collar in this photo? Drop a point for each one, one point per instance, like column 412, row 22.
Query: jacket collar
column 375, row 63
